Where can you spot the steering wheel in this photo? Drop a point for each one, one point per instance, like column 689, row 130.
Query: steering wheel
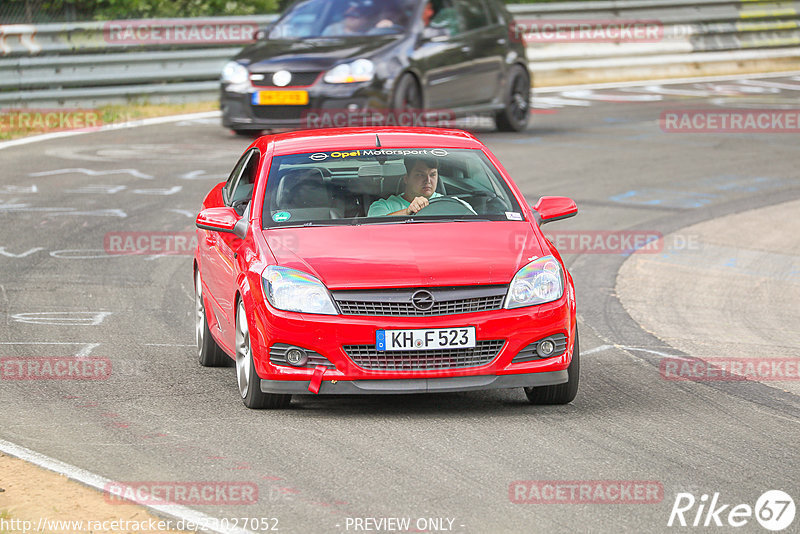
column 446, row 206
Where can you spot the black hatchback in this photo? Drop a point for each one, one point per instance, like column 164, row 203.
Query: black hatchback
column 329, row 62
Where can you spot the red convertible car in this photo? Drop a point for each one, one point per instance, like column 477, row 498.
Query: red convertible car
column 382, row 261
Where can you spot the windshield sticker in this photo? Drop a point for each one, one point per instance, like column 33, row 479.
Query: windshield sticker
column 322, row 156
column 513, row 216
column 281, row 216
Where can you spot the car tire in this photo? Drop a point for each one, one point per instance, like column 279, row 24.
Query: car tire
column 559, row 393
column 208, row 352
column 514, row 117
column 407, row 94
column 246, row 376
column 247, row 133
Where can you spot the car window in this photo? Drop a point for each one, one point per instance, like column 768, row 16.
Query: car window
column 366, row 186
column 447, row 16
column 474, row 14
column 343, row 18
column 230, row 183
column 239, row 189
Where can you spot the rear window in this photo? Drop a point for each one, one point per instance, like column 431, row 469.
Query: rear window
column 376, row 186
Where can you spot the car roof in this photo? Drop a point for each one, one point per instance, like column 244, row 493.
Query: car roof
column 321, row 140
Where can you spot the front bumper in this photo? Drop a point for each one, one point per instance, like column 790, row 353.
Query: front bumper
column 327, row 107
column 417, row 385
column 328, row 336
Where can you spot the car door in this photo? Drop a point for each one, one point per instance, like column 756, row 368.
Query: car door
column 486, row 38
column 444, row 59
column 221, row 247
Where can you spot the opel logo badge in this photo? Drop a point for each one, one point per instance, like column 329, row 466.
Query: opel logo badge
column 282, row 78
column 422, row 300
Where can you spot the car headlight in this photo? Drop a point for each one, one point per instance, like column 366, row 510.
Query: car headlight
column 540, row 281
column 291, row 290
column 360, row 70
column 234, row 72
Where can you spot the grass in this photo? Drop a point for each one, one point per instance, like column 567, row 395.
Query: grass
column 6, row 516
column 17, row 123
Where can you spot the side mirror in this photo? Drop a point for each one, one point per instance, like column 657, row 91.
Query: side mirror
column 549, row 209
column 224, row 220
column 263, row 32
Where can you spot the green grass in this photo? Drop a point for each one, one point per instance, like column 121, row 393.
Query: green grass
column 23, row 123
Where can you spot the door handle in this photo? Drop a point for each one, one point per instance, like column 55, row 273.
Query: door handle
column 466, row 49
column 501, row 41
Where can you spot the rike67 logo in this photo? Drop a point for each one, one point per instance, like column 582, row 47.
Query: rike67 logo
column 774, row 510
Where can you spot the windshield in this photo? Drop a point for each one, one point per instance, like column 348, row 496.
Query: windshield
column 343, row 18
column 380, row 186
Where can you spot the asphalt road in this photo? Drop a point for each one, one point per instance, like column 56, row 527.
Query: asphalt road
column 161, row 417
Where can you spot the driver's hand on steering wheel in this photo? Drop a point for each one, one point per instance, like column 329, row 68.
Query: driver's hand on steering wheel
column 416, row 205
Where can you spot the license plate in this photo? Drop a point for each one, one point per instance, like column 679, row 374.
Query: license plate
column 280, row 98
column 426, row 339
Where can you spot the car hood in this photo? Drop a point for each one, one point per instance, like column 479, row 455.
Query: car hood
column 311, row 54
column 407, row 255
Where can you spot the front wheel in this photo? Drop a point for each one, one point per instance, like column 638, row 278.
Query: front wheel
column 514, row 117
column 560, row 393
column 407, row 94
column 246, row 377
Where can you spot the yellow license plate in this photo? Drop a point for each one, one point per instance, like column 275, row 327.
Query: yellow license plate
column 282, row 98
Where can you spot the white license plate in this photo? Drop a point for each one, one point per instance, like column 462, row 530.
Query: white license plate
column 462, row 337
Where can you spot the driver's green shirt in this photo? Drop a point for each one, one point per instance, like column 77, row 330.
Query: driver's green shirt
column 385, row 206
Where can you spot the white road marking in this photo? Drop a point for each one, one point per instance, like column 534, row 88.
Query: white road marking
column 199, row 175
column 174, row 511
column 87, row 350
column 98, row 189
column 66, row 254
column 187, row 213
column 672, row 81
column 71, row 318
column 89, row 172
column 17, row 189
column 82, row 353
column 22, row 255
column 161, row 192
column 602, row 348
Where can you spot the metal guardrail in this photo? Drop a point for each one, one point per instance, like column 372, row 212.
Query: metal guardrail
column 92, row 63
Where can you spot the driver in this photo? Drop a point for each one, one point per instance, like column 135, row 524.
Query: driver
column 422, row 175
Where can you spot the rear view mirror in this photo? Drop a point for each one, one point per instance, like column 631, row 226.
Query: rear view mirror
column 549, row 209
column 394, row 168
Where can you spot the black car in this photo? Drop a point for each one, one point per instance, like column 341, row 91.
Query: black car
column 336, row 58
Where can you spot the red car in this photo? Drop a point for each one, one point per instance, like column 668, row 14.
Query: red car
column 389, row 260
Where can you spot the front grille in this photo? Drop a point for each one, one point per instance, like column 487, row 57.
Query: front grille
column 299, row 79
column 398, row 302
column 529, row 353
column 367, row 357
column 277, row 356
